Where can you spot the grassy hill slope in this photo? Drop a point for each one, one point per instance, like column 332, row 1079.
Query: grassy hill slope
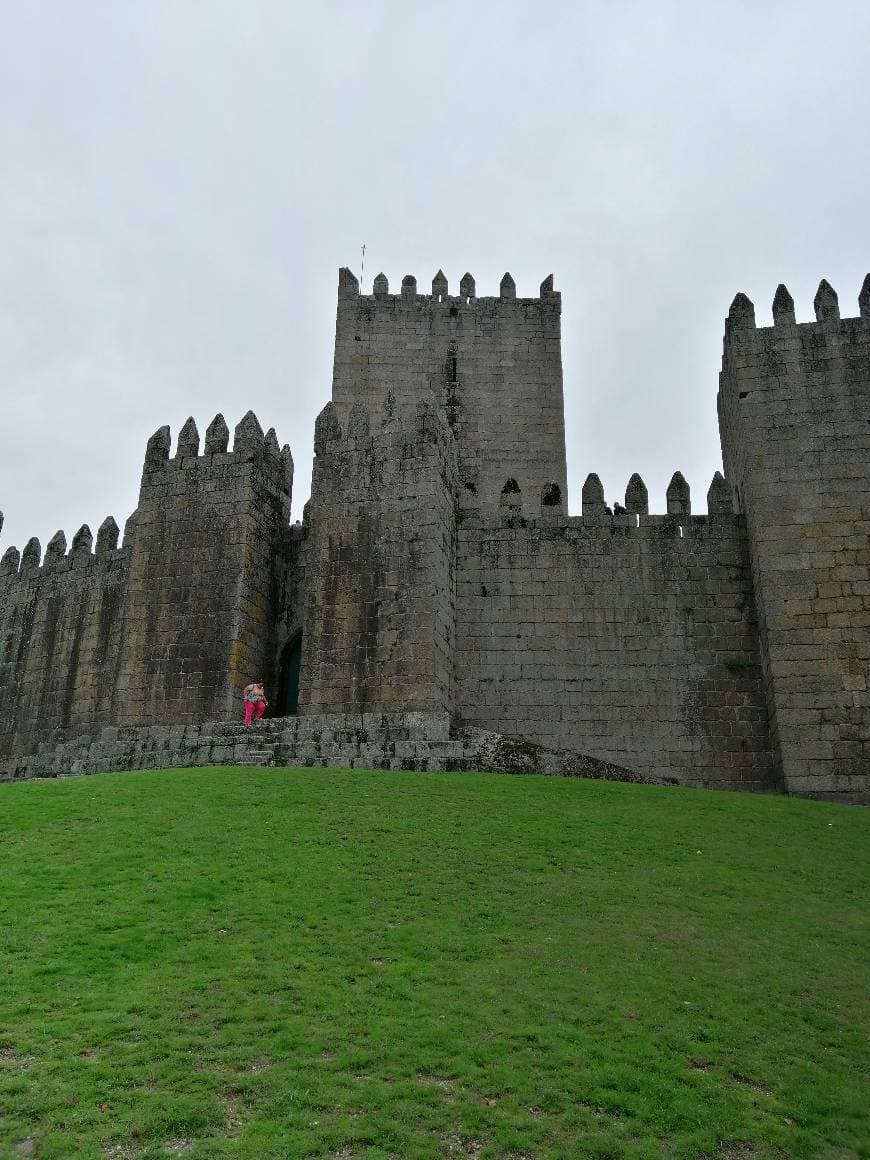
column 282, row 963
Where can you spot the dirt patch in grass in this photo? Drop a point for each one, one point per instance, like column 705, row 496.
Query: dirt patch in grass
column 448, row 1086
column 456, row 1145
column 752, row 1085
column 234, row 1112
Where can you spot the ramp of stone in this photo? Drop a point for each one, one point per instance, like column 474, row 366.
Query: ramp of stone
column 412, row 741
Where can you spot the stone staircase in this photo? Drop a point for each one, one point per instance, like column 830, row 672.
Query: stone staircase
column 406, row 741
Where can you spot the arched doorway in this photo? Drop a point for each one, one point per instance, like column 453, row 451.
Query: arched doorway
column 288, row 679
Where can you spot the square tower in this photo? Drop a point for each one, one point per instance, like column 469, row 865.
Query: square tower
column 494, row 366
column 794, row 415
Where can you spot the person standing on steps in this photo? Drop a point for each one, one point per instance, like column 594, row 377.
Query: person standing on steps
column 255, row 701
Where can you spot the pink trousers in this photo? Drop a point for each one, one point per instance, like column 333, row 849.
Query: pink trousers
column 254, row 709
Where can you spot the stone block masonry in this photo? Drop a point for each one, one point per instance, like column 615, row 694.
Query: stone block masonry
column 438, row 607
column 408, row 741
column 794, row 407
column 631, row 639
column 204, row 571
column 167, row 628
column 379, row 624
column 494, row 365
column 61, row 624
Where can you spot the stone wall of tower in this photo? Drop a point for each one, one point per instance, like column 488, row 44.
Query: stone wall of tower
column 628, row 638
column 380, row 574
column 494, row 366
column 794, row 410
column 204, row 574
column 61, row 620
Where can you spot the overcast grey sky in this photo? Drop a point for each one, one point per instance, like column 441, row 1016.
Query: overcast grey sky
column 181, row 179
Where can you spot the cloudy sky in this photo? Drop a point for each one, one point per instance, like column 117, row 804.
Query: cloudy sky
column 181, row 179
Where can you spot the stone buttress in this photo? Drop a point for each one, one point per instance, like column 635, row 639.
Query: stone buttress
column 379, row 616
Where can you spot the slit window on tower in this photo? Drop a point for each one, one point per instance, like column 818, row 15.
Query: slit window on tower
column 452, row 367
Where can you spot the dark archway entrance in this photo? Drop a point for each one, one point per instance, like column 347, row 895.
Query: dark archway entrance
column 288, row 679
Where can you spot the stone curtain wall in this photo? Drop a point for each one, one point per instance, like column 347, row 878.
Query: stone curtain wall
column 633, row 644
column 493, row 364
column 170, row 627
column 379, row 623
column 60, row 632
column 436, row 570
column 794, row 408
column 205, row 571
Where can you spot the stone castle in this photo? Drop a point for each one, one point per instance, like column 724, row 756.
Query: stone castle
column 438, row 593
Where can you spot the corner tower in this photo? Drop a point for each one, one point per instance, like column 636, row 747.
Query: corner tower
column 494, row 366
column 205, row 556
column 794, row 417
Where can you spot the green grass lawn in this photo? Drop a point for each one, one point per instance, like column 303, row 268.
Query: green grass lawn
column 289, row 963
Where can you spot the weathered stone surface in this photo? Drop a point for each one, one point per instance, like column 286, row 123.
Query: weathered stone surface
column 217, row 436
column 167, row 628
column 783, row 307
column 719, row 496
column 793, row 405
column 593, row 497
column 378, row 621
column 187, row 445
column 678, row 496
column 493, row 363
column 636, row 496
column 826, row 305
column 410, row 741
column 444, row 608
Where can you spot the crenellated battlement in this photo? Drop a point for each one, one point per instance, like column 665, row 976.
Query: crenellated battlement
column 348, row 287
column 58, row 558
column 678, row 500
column 826, row 308
column 249, row 443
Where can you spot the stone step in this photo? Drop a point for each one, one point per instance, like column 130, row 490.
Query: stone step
column 396, row 741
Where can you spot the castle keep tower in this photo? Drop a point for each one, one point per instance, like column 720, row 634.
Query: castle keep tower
column 494, row 366
column 794, row 410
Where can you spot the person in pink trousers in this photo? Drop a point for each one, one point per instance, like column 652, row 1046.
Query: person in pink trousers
column 255, row 701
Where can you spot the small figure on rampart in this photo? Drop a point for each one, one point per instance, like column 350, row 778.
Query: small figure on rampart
column 618, row 509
